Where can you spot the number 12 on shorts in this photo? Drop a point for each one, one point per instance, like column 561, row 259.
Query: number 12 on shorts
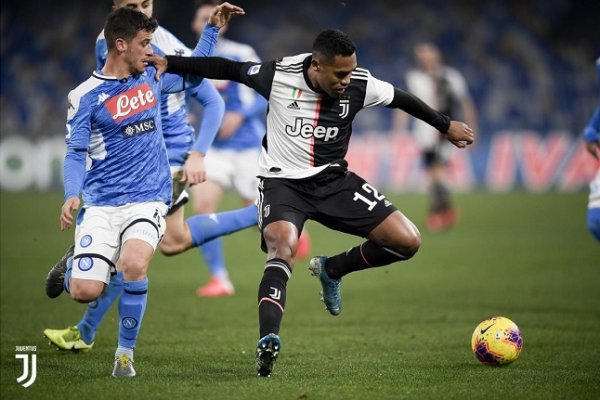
column 371, row 191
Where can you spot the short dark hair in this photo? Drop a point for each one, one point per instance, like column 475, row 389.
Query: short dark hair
column 125, row 23
column 333, row 42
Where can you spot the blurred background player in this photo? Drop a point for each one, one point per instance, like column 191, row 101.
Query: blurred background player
column 179, row 138
column 232, row 161
column 591, row 135
column 444, row 89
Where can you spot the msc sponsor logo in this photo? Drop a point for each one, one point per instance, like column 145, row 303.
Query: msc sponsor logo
column 131, row 102
column 306, row 130
column 139, row 127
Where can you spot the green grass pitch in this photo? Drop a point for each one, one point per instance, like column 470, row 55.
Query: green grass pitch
column 404, row 332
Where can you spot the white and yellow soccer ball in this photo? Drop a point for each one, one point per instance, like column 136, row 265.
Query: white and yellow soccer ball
column 497, row 341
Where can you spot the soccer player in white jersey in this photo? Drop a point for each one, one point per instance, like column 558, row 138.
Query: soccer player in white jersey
column 313, row 99
column 81, row 337
column 444, row 89
column 591, row 136
column 232, row 162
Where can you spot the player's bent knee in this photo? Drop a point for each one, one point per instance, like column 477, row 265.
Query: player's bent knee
column 410, row 244
column 85, row 291
column 415, row 243
column 175, row 242
column 171, row 248
column 284, row 248
column 133, row 267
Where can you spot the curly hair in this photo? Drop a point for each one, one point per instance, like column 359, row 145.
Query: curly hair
column 331, row 43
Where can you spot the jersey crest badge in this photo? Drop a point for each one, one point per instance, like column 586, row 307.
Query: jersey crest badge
column 345, row 104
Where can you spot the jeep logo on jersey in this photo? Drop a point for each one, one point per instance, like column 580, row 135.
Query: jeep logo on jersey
column 131, row 102
column 139, row 127
column 306, row 130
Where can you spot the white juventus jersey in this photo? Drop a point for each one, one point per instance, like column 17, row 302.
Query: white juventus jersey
column 308, row 130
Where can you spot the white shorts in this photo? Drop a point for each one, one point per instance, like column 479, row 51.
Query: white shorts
column 234, row 169
column 101, row 231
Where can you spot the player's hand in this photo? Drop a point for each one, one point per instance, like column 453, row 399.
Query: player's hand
column 223, row 13
column 594, row 149
column 231, row 123
column 160, row 63
column 460, row 134
column 66, row 212
column 194, row 171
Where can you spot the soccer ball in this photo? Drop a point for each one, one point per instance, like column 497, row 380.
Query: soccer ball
column 497, row 341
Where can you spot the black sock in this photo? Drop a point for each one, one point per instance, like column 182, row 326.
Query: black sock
column 367, row 255
column 271, row 295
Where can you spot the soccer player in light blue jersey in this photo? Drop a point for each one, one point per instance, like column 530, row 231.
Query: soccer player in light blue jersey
column 114, row 119
column 591, row 135
column 232, row 161
column 81, row 337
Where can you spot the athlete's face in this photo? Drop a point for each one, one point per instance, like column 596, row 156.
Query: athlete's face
column 332, row 76
column 144, row 6
column 137, row 52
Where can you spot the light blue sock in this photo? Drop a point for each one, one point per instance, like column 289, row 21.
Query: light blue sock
column 213, row 255
column 98, row 308
column 67, row 281
column 205, row 227
column 131, row 311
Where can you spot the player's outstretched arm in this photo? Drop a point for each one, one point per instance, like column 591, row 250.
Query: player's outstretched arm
column 207, row 67
column 458, row 133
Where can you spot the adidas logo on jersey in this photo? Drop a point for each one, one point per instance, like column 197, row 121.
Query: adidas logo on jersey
column 293, row 106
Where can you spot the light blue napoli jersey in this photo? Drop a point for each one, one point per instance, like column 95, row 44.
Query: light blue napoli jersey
column 178, row 133
column 240, row 98
column 117, row 124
